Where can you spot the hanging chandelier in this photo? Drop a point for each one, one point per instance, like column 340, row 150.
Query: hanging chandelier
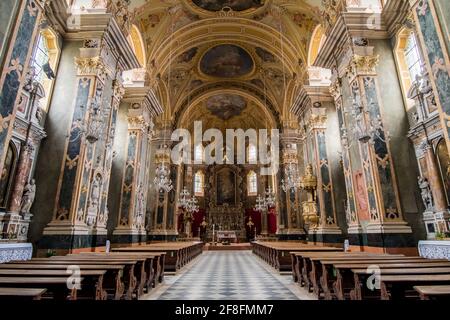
column 162, row 180
column 190, row 204
column 291, row 180
column 266, row 201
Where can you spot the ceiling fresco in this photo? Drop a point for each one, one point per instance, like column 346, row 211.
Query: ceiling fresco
column 226, row 61
column 187, row 56
column 193, row 44
column 226, row 106
column 236, row 5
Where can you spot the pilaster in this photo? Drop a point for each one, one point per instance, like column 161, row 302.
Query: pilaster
column 373, row 141
column 437, row 60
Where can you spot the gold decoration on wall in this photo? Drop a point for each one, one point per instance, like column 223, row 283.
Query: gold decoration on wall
column 90, row 66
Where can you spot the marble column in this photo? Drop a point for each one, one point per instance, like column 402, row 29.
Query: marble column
column 351, row 213
column 15, row 69
column 434, row 179
column 432, row 40
column 373, row 140
column 327, row 229
column 164, row 220
column 133, row 198
column 82, row 178
column 290, row 207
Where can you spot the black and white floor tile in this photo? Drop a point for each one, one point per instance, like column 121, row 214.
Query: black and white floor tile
column 228, row 275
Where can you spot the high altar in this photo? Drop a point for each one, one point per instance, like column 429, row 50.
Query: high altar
column 225, row 209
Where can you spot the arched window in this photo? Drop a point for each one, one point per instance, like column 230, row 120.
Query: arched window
column 198, row 154
column 7, row 175
column 45, row 61
column 199, row 181
column 252, row 154
column 412, row 57
column 409, row 61
column 252, row 184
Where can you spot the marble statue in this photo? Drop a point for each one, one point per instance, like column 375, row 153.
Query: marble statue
column 95, row 195
column 28, row 197
column 140, row 197
column 425, row 191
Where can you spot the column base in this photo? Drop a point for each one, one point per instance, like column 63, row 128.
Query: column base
column 163, row 235
column 60, row 238
column 291, row 234
column 128, row 237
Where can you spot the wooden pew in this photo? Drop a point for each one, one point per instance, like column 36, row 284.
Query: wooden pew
column 298, row 257
column 152, row 267
column 296, row 262
column 318, row 269
column 92, row 285
column 312, row 274
column 22, row 293
column 278, row 254
column 132, row 270
column 361, row 276
column 137, row 279
column 394, row 287
column 343, row 278
column 57, row 286
column 433, row 292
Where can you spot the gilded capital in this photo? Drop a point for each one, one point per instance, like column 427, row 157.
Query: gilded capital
column 362, row 65
column 90, row 66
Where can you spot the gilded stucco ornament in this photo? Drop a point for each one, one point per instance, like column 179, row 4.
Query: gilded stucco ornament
column 90, row 66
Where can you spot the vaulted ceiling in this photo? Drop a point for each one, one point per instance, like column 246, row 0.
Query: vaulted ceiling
column 198, row 49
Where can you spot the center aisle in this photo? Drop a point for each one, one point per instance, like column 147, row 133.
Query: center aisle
column 232, row 275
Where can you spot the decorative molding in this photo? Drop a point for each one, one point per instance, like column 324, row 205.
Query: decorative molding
column 89, row 66
column 434, row 249
column 15, row 251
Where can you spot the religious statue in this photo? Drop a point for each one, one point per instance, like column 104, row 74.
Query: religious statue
column 95, row 194
column 139, row 216
column 425, row 191
column 29, row 194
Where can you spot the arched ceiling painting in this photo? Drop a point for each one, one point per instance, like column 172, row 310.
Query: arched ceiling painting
column 226, row 106
column 226, row 61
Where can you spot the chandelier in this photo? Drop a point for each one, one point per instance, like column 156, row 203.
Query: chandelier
column 291, row 176
column 162, row 181
column 190, row 204
column 263, row 202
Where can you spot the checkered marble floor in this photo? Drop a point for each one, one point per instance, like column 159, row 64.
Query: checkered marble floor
column 228, row 275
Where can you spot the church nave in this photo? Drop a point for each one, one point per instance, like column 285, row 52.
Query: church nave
column 228, row 275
